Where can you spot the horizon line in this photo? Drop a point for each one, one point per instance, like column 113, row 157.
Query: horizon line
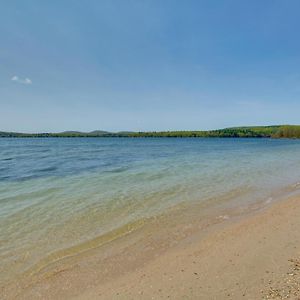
column 136, row 131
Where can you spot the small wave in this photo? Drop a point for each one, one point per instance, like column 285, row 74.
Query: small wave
column 25, row 177
column 85, row 246
column 118, row 170
column 48, row 169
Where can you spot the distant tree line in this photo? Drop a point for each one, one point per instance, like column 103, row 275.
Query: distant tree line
column 277, row 131
column 288, row 131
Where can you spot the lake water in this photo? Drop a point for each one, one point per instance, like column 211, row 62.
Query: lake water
column 58, row 193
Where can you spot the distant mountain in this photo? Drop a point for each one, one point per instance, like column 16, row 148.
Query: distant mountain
column 99, row 132
column 94, row 133
column 10, row 134
column 71, row 132
column 276, row 131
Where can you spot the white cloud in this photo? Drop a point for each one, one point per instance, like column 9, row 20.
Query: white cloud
column 21, row 80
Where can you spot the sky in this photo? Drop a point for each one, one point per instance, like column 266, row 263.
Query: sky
column 148, row 64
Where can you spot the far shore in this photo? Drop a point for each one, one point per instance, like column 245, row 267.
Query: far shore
column 273, row 131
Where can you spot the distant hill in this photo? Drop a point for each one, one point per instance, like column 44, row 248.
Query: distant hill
column 276, row 131
column 94, row 133
column 98, row 132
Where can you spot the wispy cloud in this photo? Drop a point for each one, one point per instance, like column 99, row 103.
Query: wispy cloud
column 21, row 80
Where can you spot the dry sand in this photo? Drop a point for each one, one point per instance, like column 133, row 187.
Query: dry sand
column 249, row 257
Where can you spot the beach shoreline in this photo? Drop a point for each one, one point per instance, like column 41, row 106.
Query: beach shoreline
column 247, row 256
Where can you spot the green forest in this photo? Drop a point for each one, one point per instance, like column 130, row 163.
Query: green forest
column 276, row 131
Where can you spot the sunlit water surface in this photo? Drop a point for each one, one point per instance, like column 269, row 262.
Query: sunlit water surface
column 56, row 193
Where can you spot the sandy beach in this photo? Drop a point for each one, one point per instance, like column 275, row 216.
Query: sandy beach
column 253, row 256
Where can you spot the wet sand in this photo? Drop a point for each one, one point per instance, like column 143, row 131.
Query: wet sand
column 248, row 256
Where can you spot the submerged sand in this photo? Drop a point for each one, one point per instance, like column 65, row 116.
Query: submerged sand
column 234, row 255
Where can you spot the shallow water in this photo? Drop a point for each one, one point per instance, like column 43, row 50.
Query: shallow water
column 59, row 193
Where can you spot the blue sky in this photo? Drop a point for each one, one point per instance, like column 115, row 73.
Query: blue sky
column 148, row 65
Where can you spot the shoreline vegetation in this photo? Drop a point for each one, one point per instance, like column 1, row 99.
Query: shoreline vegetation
column 275, row 131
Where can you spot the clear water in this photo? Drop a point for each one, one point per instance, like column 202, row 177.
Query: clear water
column 58, row 193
